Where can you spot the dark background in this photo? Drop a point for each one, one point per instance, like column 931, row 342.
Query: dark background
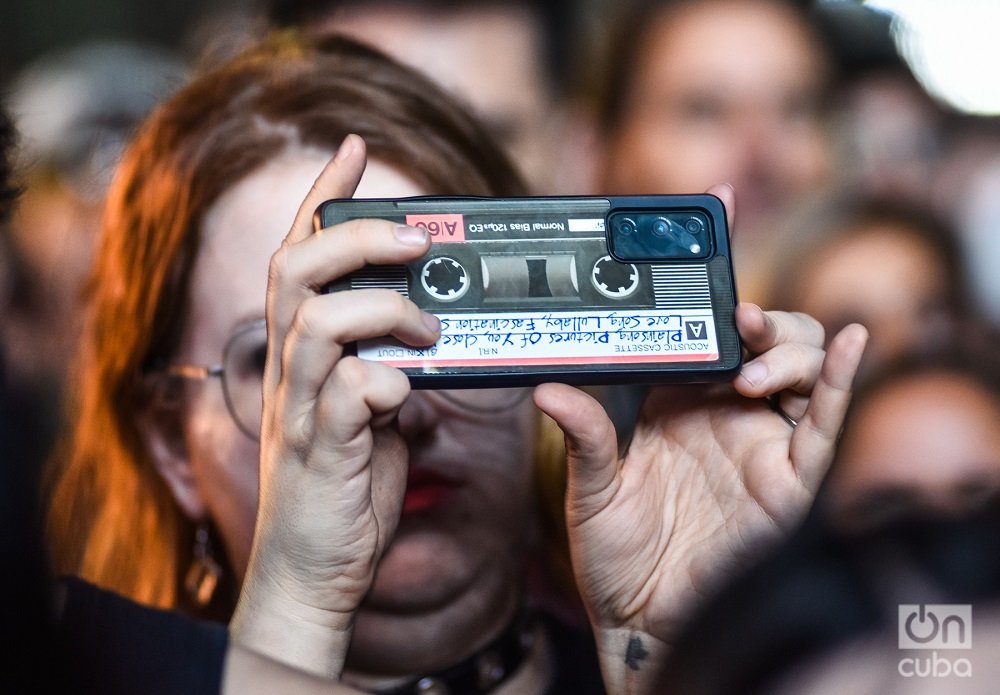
column 29, row 28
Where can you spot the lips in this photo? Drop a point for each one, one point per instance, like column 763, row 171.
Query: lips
column 426, row 490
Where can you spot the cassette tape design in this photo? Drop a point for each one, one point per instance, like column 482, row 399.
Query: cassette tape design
column 582, row 290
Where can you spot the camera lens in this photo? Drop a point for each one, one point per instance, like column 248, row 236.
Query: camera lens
column 694, row 225
column 626, row 226
column 661, row 227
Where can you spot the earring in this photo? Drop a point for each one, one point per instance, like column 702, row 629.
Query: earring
column 203, row 576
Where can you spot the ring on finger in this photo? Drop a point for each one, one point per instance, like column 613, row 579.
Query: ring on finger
column 775, row 403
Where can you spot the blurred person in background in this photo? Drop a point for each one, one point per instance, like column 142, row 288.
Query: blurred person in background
column 23, row 617
column 922, row 434
column 892, row 136
column 700, row 91
column 66, row 636
column 75, row 110
column 510, row 62
column 977, row 215
column 893, row 267
column 825, row 613
column 898, row 142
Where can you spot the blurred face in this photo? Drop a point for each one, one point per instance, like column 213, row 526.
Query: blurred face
column 724, row 91
column 930, row 441
column 54, row 230
column 452, row 571
column 882, row 277
column 490, row 57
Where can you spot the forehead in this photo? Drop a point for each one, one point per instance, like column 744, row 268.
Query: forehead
column 241, row 231
column 928, row 425
column 875, row 261
column 696, row 45
column 490, row 55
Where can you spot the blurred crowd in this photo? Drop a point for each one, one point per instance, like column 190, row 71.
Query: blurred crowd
column 859, row 199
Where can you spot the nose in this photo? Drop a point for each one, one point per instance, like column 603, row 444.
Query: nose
column 419, row 417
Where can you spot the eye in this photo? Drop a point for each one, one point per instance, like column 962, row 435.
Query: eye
column 801, row 108
column 703, row 108
column 246, row 355
column 257, row 359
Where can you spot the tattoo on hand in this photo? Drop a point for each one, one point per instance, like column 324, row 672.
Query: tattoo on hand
column 635, row 653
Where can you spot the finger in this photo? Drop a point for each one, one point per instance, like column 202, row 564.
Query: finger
column 358, row 396
column 297, row 272
column 335, row 251
column 335, row 432
column 814, row 439
column 591, row 445
column 725, row 193
column 325, row 323
column 790, row 347
column 787, row 366
column 762, row 330
column 339, row 179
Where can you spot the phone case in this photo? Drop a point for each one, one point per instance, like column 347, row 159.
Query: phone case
column 582, row 290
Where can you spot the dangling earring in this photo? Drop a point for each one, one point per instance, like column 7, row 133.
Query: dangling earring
column 203, row 576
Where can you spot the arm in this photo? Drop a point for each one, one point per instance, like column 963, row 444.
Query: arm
column 248, row 673
column 332, row 465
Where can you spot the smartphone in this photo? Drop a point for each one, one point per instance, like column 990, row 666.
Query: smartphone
column 581, row 290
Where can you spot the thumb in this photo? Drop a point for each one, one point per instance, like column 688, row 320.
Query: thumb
column 591, row 446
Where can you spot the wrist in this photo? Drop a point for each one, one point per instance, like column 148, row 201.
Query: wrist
column 632, row 661
column 270, row 621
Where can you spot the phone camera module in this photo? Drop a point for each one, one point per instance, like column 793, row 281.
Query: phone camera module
column 659, row 235
column 694, row 225
column 626, row 226
column 661, row 227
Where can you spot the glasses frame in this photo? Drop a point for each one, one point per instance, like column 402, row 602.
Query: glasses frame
column 202, row 372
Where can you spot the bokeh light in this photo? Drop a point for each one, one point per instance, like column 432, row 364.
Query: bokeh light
column 951, row 47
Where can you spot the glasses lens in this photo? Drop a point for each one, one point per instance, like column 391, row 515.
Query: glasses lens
column 486, row 400
column 243, row 376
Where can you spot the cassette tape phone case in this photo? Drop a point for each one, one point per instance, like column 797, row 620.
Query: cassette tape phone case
column 583, row 290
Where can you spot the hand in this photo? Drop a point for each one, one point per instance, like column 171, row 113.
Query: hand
column 709, row 473
column 332, row 465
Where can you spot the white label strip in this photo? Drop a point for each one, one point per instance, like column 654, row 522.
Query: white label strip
column 555, row 338
column 589, row 225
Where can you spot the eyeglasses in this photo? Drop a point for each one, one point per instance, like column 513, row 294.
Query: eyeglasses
column 242, row 374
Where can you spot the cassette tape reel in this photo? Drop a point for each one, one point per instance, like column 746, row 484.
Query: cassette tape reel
column 614, row 279
column 444, row 279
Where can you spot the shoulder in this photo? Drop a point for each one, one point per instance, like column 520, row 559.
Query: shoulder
column 115, row 645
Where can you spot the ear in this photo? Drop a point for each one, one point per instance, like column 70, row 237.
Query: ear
column 160, row 427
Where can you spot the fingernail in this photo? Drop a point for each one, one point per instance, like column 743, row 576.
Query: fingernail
column 411, row 236
column 345, row 150
column 431, row 321
column 755, row 373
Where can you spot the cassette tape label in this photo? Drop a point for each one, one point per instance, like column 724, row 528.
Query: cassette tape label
column 443, row 228
column 546, row 338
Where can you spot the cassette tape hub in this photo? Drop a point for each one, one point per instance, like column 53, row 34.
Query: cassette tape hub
column 584, row 290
